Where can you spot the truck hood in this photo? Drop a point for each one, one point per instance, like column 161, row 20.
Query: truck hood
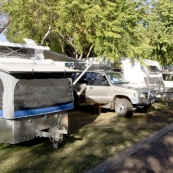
column 133, row 86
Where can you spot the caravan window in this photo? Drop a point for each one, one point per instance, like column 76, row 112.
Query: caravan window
column 152, row 69
column 168, row 77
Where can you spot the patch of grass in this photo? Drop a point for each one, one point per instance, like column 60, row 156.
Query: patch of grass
column 91, row 140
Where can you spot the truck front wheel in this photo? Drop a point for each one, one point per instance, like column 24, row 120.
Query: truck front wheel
column 123, row 108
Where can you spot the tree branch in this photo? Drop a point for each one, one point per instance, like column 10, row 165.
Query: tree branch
column 89, row 52
column 80, row 57
column 45, row 36
column 4, row 27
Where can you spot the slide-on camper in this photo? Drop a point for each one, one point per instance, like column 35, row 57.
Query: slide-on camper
column 167, row 73
column 146, row 74
column 34, row 94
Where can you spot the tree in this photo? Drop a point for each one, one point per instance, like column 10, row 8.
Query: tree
column 103, row 27
column 119, row 28
column 112, row 29
column 160, row 31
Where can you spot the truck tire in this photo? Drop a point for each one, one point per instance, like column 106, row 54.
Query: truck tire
column 143, row 109
column 123, row 108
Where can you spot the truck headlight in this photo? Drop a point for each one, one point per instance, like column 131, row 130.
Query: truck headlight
column 143, row 95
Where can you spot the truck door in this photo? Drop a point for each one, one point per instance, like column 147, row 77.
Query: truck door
column 98, row 90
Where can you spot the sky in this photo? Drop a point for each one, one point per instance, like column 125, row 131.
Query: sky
column 3, row 38
column 3, row 18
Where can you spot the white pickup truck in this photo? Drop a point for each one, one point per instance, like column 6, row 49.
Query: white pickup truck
column 112, row 91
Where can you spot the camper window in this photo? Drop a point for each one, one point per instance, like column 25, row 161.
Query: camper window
column 168, row 77
column 152, row 69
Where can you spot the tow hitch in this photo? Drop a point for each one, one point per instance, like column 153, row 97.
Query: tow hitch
column 54, row 134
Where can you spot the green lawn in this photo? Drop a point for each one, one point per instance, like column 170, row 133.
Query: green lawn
column 91, row 140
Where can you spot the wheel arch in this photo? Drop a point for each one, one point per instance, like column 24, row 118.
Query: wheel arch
column 116, row 98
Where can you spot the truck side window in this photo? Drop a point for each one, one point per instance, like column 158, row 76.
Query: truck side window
column 98, row 80
column 89, row 76
column 82, row 79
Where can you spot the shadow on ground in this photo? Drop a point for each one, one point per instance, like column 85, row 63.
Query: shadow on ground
column 156, row 157
column 91, row 140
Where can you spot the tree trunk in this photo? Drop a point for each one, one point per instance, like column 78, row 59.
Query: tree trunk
column 89, row 52
column 45, row 36
column 4, row 27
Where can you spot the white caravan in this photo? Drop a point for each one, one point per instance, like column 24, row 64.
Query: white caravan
column 35, row 96
column 167, row 73
column 146, row 74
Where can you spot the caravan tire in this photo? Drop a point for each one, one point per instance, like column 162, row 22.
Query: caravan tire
column 123, row 108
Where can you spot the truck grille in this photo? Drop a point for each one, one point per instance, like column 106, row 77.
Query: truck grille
column 152, row 94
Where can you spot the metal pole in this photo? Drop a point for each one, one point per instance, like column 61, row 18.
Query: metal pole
column 82, row 73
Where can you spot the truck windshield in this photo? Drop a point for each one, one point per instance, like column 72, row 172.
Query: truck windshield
column 116, row 78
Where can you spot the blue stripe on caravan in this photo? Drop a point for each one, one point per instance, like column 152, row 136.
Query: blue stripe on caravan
column 1, row 114
column 39, row 111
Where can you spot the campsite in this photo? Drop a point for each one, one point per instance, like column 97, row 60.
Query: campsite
column 91, row 139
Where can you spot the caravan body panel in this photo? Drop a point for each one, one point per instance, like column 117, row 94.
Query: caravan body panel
column 167, row 73
column 35, row 94
column 24, row 129
column 146, row 74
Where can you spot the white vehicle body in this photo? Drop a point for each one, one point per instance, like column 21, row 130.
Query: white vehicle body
column 34, row 93
column 167, row 73
column 147, row 74
column 100, row 85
